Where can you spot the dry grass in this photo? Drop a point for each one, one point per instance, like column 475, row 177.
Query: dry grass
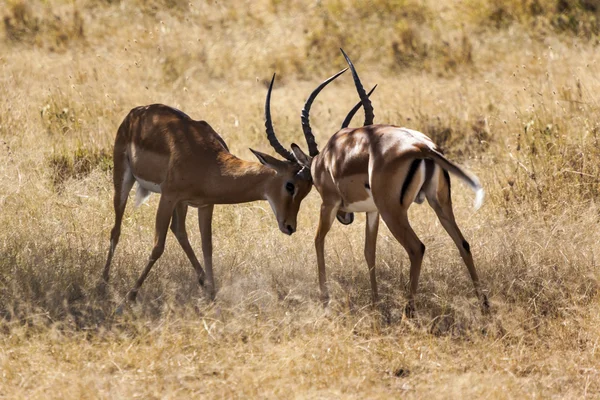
column 510, row 93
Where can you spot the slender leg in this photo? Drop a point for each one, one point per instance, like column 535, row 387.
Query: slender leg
column 123, row 182
column 326, row 219
column 398, row 224
column 205, row 222
column 370, row 249
column 163, row 218
column 443, row 208
column 178, row 228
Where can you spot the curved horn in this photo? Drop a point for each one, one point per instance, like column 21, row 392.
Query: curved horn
column 354, row 110
column 269, row 128
column 310, row 138
column 361, row 93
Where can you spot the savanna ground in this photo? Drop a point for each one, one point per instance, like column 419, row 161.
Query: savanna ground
column 510, row 90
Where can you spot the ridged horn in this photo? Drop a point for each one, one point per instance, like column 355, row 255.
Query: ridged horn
column 271, row 132
column 310, row 138
column 364, row 98
column 354, row 110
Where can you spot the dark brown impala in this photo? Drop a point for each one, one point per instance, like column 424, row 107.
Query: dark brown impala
column 382, row 170
column 189, row 164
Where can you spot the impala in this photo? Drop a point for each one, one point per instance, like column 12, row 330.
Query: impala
column 382, row 170
column 189, row 164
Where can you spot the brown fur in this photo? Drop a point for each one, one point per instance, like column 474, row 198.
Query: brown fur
column 192, row 166
column 381, row 155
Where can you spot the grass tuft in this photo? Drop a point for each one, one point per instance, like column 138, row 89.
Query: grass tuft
column 48, row 27
column 77, row 165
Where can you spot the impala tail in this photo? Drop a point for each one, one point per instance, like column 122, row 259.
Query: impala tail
column 471, row 180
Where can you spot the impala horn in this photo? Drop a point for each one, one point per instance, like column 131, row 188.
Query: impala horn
column 310, row 138
column 354, row 110
column 364, row 98
column 271, row 132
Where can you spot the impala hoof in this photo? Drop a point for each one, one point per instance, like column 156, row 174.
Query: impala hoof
column 374, row 300
column 119, row 310
column 102, row 288
column 409, row 310
column 132, row 296
column 210, row 293
column 485, row 305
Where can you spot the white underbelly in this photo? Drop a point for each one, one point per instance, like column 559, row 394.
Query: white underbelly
column 367, row 205
column 150, row 186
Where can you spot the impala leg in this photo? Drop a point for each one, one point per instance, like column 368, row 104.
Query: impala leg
column 123, row 182
column 178, row 228
column 326, row 219
column 163, row 218
column 442, row 205
column 370, row 248
column 398, row 224
column 205, row 222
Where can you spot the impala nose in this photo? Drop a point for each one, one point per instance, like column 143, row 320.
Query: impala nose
column 290, row 229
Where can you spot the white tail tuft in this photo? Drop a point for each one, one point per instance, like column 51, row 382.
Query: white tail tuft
column 479, row 195
column 141, row 195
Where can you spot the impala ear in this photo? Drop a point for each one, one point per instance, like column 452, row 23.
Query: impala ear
column 268, row 160
column 301, row 156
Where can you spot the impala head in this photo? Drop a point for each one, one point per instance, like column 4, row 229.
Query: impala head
column 293, row 180
column 286, row 190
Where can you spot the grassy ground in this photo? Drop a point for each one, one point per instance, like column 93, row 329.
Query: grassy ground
column 508, row 88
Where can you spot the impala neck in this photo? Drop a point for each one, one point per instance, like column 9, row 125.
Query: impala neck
column 245, row 181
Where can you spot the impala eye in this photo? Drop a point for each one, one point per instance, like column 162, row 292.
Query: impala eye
column 289, row 187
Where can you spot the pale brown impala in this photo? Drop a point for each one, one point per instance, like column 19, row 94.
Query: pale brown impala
column 189, row 164
column 382, row 170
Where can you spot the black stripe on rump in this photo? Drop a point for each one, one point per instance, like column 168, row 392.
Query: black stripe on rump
column 414, row 166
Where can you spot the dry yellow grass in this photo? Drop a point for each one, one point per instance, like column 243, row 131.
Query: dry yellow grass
column 510, row 89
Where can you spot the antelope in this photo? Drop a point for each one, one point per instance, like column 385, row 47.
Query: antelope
column 381, row 170
column 188, row 163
